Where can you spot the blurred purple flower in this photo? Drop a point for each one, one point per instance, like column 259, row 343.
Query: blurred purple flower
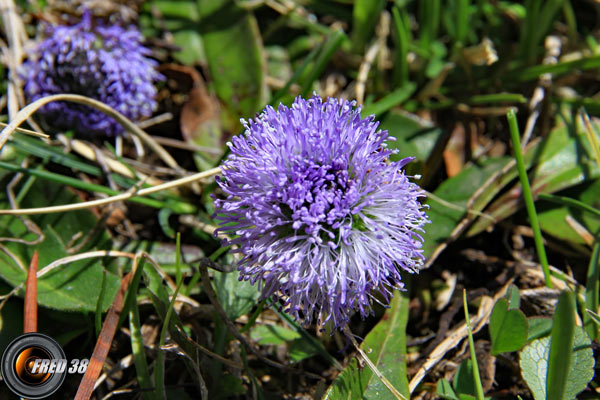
column 104, row 62
column 319, row 214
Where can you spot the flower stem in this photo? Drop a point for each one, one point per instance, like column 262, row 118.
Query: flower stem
column 528, row 196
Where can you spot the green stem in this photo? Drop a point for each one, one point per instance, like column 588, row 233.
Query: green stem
column 528, row 196
column 569, row 202
column 476, row 377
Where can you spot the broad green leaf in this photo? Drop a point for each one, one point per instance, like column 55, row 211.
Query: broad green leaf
column 553, row 217
column 301, row 349
column 508, row 328
column 74, row 286
column 414, row 136
column 182, row 20
column 456, row 190
column 386, row 347
column 237, row 297
column 235, row 58
column 273, row 334
column 534, row 365
column 561, row 161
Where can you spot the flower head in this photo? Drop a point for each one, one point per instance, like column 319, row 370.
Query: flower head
column 318, row 212
column 104, row 62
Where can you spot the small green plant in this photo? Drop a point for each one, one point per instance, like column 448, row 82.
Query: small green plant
column 556, row 359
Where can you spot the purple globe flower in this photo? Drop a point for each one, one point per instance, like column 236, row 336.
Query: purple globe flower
column 107, row 63
column 319, row 214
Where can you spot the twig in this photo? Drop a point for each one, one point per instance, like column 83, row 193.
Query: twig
column 363, row 71
column 155, row 120
column 27, row 111
column 112, row 199
column 14, row 31
column 83, row 256
column 178, row 144
column 459, row 208
column 29, row 132
column 85, row 150
column 29, row 224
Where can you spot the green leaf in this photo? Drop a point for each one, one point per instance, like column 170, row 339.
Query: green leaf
column 553, row 218
column 463, row 379
column 11, row 320
column 445, row 391
column 273, row 334
column 365, row 15
column 595, row 317
column 414, row 136
column 508, row 328
column 512, row 295
column 561, row 342
column 235, row 58
column 391, row 100
column 592, row 289
column 301, row 349
column 312, row 342
column 74, row 286
column 562, row 160
column 237, row 297
column 534, row 365
column 456, row 190
column 539, row 327
column 386, row 347
column 182, row 20
column 330, row 45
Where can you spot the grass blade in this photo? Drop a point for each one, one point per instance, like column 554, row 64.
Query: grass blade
column 139, row 355
column 561, row 346
column 429, row 21
column 365, row 14
column 159, row 368
column 390, row 100
column 402, row 37
column 592, row 289
column 567, row 201
column 330, row 46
